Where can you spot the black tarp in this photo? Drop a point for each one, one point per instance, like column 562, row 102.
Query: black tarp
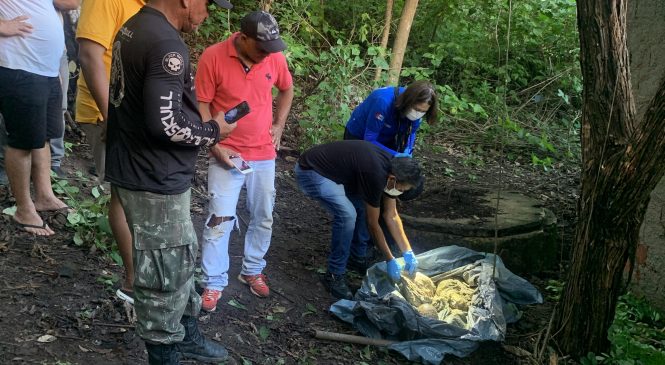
column 380, row 311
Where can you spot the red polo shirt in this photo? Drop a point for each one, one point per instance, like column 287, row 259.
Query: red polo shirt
column 221, row 80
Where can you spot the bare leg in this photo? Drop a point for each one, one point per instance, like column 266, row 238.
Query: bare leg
column 123, row 237
column 45, row 199
column 18, row 165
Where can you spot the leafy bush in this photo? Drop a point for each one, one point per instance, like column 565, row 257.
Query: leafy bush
column 490, row 62
column 637, row 335
column 89, row 220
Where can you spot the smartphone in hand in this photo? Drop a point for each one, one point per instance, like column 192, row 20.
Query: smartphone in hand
column 241, row 165
column 237, row 112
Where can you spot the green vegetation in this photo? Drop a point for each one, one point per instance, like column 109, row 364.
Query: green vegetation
column 89, row 220
column 505, row 75
column 637, row 335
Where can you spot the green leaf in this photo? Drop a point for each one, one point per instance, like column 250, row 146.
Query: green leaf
column 104, row 225
column 380, row 62
column 78, row 240
column 234, row 303
column 310, row 307
column 95, row 192
column 10, row 211
column 477, row 109
column 74, row 218
column 264, row 332
column 116, row 257
column 72, row 190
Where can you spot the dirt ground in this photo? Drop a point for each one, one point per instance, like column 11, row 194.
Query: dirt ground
column 49, row 286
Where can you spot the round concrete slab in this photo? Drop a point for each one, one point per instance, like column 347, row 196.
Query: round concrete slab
column 525, row 231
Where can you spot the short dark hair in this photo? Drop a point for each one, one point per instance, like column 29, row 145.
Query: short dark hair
column 414, row 192
column 421, row 91
column 406, row 171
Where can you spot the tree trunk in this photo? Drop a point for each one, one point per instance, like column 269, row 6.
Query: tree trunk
column 386, row 34
column 621, row 164
column 265, row 5
column 401, row 39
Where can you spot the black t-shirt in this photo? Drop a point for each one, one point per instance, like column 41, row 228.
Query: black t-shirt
column 360, row 166
column 154, row 128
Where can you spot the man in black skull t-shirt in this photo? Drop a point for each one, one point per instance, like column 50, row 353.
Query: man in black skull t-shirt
column 154, row 134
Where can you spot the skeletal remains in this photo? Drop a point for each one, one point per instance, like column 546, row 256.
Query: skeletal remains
column 447, row 301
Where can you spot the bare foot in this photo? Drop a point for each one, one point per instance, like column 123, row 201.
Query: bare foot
column 50, row 204
column 33, row 223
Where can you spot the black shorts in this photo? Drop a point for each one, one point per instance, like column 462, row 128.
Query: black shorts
column 32, row 107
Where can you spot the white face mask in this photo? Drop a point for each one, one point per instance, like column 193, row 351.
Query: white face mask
column 392, row 192
column 414, row 115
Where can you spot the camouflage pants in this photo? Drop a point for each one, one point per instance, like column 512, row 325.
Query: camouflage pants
column 164, row 249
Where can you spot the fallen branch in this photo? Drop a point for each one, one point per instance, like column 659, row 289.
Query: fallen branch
column 95, row 323
column 27, row 286
column 361, row 340
column 70, row 338
column 283, row 296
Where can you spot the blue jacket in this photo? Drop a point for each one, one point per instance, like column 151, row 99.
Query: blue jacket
column 375, row 120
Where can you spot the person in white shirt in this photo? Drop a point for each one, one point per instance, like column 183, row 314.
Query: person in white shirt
column 30, row 101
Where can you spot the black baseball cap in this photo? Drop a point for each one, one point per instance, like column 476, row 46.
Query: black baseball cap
column 222, row 3
column 262, row 27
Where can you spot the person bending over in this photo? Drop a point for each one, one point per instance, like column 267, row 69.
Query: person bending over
column 345, row 176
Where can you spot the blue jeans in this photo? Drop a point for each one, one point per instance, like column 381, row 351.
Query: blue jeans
column 58, row 144
column 224, row 187
column 349, row 230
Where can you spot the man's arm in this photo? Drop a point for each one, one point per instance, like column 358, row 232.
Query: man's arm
column 373, row 215
column 204, row 110
column 91, row 57
column 206, row 114
column 165, row 117
column 66, row 4
column 218, row 152
column 283, row 103
column 15, row 27
column 394, row 224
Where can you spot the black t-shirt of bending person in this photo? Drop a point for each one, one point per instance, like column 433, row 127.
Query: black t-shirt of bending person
column 154, row 128
column 360, row 166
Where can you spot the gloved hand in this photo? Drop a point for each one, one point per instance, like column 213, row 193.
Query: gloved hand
column 403, row 154
column 410, row 262
column 394, row 269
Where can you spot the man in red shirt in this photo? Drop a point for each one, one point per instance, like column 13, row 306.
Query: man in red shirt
column 245, row 67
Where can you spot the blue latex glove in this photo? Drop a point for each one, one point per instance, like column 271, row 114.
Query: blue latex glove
column 403, row 154
column 394, row 269
column 410, row 262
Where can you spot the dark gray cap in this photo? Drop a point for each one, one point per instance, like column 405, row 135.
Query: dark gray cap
column 262, row 27
column 222, row 3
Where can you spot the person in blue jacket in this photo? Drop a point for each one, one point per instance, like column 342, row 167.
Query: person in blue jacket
column 391, row 116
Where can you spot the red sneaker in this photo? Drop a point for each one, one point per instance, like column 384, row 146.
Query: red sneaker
column 257, row 284
column 209, row 299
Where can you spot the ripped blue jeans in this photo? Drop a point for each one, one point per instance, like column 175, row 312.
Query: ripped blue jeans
column 224, row 187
